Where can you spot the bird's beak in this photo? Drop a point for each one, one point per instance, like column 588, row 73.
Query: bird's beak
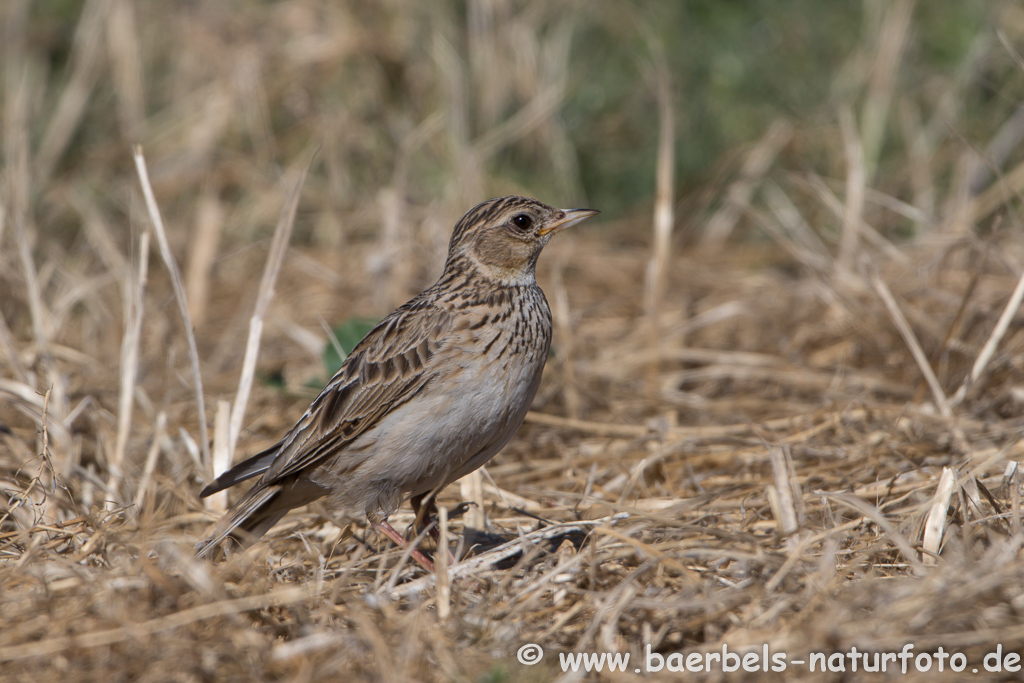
column 571, row 218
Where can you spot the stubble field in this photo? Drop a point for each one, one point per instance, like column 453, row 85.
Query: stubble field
column 783, row 408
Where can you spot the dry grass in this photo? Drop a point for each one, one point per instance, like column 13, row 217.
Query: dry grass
column 805, row 432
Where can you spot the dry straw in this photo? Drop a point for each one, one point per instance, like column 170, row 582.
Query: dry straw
column 171, row 265
column 826, row 457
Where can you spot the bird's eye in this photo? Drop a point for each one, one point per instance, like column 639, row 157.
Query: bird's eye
column 522, row 221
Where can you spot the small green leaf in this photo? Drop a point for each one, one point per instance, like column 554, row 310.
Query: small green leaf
column 344, row 338
column 497, row 674
column 273, row 379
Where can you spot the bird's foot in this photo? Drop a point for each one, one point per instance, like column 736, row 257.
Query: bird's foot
column 421, row 559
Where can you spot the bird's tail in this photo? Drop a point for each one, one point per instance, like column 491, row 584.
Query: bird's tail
column 248, row 520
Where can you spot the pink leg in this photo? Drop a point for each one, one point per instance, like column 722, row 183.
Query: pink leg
column 389, row 531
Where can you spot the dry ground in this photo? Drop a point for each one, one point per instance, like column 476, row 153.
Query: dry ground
column 778, row 398
column 805, row 439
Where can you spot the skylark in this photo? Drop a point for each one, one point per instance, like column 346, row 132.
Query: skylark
column 430, row 394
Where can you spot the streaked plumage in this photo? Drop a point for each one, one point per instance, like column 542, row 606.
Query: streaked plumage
column 430, row 394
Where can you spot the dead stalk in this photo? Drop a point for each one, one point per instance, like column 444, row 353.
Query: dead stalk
column 278, row 247
column 657, row 270
column 157, row 224
column 134, row 309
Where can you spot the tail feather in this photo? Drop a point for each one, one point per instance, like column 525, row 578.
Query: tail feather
column 248, row 468
column 248, row 520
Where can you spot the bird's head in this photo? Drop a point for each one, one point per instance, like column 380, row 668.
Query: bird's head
column 503, row 237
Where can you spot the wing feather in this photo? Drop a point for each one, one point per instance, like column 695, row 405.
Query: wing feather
column 388, row 367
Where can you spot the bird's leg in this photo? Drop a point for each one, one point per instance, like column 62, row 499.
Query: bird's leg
column 389, row 531
column 425, row 508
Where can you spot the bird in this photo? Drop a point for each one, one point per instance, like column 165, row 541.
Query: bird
column 430, row 394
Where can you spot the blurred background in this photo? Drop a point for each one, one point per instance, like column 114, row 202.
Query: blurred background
column 420, row 110
column 415, row 112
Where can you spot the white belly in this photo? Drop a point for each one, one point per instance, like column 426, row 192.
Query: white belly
column 426, row 442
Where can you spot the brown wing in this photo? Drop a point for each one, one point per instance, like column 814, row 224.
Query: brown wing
column 386, row 369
